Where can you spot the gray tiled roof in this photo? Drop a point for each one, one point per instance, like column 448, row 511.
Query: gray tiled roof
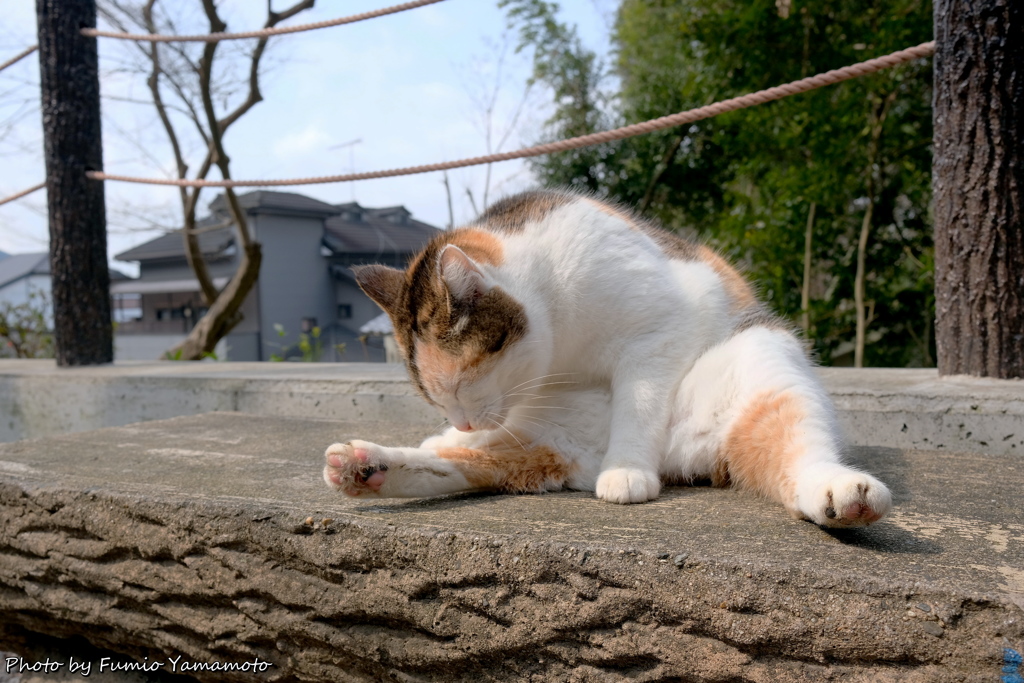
column 17, row 266
column 380, row 231
column 348, row 228
column 266, row 201
column 172, row 245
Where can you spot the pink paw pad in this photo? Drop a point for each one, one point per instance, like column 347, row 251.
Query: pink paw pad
column 857, row 513
column 349, row 470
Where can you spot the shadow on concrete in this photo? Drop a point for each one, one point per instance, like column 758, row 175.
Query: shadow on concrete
column 885, row 538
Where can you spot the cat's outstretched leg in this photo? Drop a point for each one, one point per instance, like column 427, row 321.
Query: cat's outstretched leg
column 753, row 414
column 780, row 446
column 360, row 468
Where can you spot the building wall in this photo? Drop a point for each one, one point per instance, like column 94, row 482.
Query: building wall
column 364, row 309
column 294, row 280
column 154, row 346
column 180, row 270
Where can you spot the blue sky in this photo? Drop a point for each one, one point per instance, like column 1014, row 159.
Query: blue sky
column 409, row 86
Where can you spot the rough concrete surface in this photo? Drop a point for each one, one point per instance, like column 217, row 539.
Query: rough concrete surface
column 896, row 408
column 213, row 538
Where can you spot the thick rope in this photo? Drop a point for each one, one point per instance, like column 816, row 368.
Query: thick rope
column 20, row 56
column 22, row 193
column 796, row 87
column 262, row 33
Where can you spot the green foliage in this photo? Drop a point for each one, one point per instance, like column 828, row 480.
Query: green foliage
column 309, row 349
column 177, row 355
column 24, row 330
column 745, row 181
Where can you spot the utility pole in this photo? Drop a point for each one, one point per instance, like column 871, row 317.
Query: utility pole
column 70, row 102
column 978, row 177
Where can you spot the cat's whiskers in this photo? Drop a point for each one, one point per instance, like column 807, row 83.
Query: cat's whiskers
column 533, row 407
column 535, row 419
column 439, row 426
column 499, row 424
column 554, row 374
column 512, row 392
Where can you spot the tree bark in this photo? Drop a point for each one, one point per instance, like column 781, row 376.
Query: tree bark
column 70, row 103
column 805, row 289
column 978, row 181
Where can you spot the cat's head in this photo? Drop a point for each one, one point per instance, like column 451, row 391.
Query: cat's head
column 466, row 340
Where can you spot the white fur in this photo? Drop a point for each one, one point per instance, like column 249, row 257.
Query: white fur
column 630, row 369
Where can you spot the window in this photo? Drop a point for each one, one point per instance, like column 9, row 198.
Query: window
column 344, row 311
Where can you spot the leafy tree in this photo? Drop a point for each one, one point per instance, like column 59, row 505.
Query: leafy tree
column 25, row 330
column 851, row 162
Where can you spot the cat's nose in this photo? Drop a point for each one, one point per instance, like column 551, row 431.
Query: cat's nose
column 459, row 420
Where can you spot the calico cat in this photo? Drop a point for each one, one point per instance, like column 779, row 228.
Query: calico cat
column 572, row 345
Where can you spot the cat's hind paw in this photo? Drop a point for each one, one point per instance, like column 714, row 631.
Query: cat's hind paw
column 355, row 468
column 627, row 485
column 850, row 499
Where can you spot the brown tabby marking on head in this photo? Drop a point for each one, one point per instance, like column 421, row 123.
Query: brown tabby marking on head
column 739, row 291
column 759, row 452
column 512, row 214
column 510, row 468
column 442, row 336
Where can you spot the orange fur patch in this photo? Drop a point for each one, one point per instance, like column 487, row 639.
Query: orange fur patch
column 759, row 451
column 735, row 286
column 509, row 468
column 479, row 245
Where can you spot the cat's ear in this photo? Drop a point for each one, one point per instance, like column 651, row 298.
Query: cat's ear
column 382, row 284
column 461, row 275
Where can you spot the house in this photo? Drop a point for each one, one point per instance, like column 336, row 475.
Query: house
column 305, row 281
column 25, row 284
column 25, row 278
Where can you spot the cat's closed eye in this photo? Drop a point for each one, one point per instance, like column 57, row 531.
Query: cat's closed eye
column 499, row 343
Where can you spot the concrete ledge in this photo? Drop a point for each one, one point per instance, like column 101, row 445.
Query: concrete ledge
column 189, row 537
column 38, row 399
column 903, row 408
column 895, row 408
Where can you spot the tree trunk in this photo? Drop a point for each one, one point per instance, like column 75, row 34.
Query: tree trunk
column 805, row 290
column 70, row 103
column 858, row 282
column 978, row 178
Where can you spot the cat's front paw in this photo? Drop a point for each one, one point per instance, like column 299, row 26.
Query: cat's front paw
column 850, row 499
column 627, row 485
column 355, row 468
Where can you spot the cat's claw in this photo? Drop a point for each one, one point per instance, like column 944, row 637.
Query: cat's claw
column 354, row 468
column 850, row 500
column 627, row 485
